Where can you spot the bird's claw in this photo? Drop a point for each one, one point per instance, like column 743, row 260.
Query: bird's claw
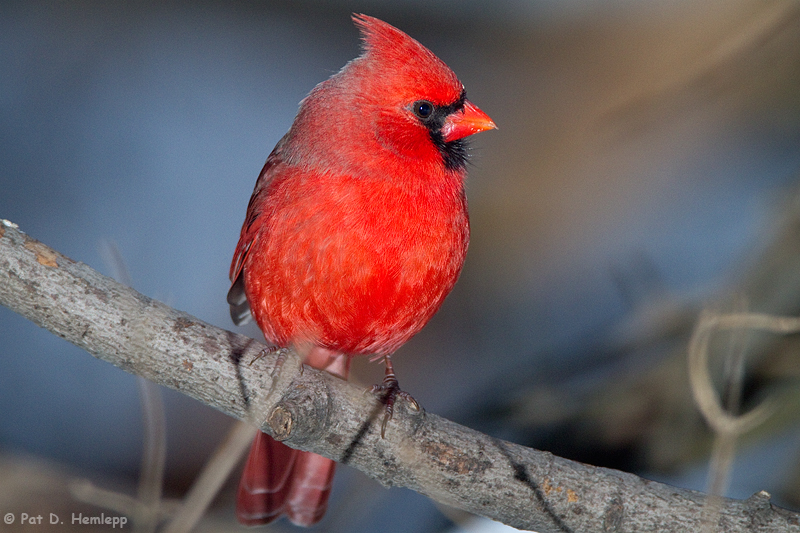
column 265, row 352
column 283, row 354
column 390, row 391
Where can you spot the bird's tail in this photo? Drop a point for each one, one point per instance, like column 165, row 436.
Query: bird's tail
column 279, row 480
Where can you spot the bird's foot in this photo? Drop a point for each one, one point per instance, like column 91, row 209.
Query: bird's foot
column 389, row 391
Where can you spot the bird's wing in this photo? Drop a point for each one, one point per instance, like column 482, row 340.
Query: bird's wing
column 237, row 299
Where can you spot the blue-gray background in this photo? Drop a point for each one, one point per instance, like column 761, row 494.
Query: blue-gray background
column 625, row 132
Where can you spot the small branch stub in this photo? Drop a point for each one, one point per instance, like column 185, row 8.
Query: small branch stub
column 281, row 422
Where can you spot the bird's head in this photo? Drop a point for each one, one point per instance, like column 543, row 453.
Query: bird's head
column 395, row 104
column 417, row 104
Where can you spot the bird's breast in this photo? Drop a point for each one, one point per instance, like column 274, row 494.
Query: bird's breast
column 355, row 265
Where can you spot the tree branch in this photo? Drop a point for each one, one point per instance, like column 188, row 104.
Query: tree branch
column 314, row 411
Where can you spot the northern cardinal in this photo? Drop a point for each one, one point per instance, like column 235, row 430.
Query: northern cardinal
column 356, row 231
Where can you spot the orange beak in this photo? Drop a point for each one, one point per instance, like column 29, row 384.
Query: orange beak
column 468, row 121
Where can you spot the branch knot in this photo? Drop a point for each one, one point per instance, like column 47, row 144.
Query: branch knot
column 281, row 422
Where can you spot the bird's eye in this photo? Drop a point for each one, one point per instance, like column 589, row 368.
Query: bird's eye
column 423, row 109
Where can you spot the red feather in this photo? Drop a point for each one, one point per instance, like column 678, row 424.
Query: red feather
column 356, row 231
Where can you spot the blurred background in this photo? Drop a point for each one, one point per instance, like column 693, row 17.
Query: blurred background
column 646, row 167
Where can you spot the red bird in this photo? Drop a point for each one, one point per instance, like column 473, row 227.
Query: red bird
column 356, row 231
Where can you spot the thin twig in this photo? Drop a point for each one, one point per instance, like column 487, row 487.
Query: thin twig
column 727, row 425
column 214, row 474
column 154, row 426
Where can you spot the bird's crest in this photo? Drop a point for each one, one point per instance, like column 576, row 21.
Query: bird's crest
column 408, row 61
